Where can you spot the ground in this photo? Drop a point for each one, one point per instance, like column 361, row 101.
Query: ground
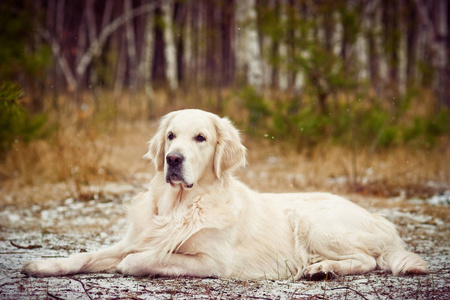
column 60, row 228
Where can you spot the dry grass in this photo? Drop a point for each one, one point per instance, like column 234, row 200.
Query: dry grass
column 76, row 161
column 397, row 167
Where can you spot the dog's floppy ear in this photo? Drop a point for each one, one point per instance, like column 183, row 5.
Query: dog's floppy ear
column 157, row 144
column 230, row 153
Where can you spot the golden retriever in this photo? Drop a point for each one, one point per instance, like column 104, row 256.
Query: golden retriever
column 196, row 219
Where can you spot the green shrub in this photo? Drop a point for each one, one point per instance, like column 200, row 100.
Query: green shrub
column 355, row 123
column 425, row 131
column 15, row 122
column 257, row 108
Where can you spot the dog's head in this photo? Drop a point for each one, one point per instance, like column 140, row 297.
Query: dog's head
column 193, row 145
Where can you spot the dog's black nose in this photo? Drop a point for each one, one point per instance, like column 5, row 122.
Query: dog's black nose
column 174, row 159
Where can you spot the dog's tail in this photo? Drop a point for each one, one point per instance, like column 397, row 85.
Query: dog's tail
column 402, row 262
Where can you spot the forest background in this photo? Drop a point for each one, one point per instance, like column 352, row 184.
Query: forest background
column 358, row 86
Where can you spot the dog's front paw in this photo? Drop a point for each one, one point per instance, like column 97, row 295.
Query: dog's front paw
column 319, row 271
column 122, row 267
column 41, row 268
column 132, row 265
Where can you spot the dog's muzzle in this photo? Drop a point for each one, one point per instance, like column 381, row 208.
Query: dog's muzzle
column 174, row 174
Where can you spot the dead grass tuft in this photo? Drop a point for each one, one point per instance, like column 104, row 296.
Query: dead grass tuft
column 83, row 160
column 399, row 171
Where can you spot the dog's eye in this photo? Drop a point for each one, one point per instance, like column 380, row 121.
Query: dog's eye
column 170, row 136
column 200, row 138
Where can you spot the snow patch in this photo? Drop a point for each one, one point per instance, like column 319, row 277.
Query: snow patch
column 443, row 199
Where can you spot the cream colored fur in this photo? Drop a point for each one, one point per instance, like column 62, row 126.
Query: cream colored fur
column 205, row 223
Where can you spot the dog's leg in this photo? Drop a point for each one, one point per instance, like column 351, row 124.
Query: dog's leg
column 104, row 260
column 199, row 265
column 358, row 263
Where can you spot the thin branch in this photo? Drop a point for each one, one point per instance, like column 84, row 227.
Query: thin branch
column 90, row 17
column 349, row 288
column 97, row 45
column 107, row 14
column 25, row 247
column 62, row 61
column 425, row 17
column 53, row 296
column 84, row 287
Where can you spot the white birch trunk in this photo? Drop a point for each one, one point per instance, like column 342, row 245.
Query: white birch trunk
column 266, row 66
column 338, row 32
column 283, row 79
column 187, row 54
column 383, row 71
column 267, row 44
column 169, row 47
column 239, row 41
column 362, row 43
column 402, row 55
column 362, row 55
column 299, row 82
column 248, row 50
column 145, row 67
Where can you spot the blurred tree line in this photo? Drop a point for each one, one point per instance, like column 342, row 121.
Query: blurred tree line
column 322, row 51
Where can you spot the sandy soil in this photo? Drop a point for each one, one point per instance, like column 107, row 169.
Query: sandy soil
column 62, row 227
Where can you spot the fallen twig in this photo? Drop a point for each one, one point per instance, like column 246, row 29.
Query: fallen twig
column 84, row 288
column 349, row 288
column 25, row 247
column 53, row 296
column 374, row 289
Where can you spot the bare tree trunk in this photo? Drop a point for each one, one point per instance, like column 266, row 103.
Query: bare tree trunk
column 131, row 47
column 197, row 50
column 249, row 52
column 169, row 47
column 210, row 42
column 51, row 16
column 299, row 76
column 392, row 46
column 439, row 39
column 92, row 31
column 145, row 67
column 34, row 84
column 361, row 46
column 85, row 56
column 283, row 79
column 402, row 51
column 81, row 46
column 121, row 69
column 187, row 50
column 62, row 61
column 412, row 39
column 107, row 13
column 336, row 39
column 380, row 53
column 267, row 48
column 58, row 83
column 442, row 80
column 227, row 45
